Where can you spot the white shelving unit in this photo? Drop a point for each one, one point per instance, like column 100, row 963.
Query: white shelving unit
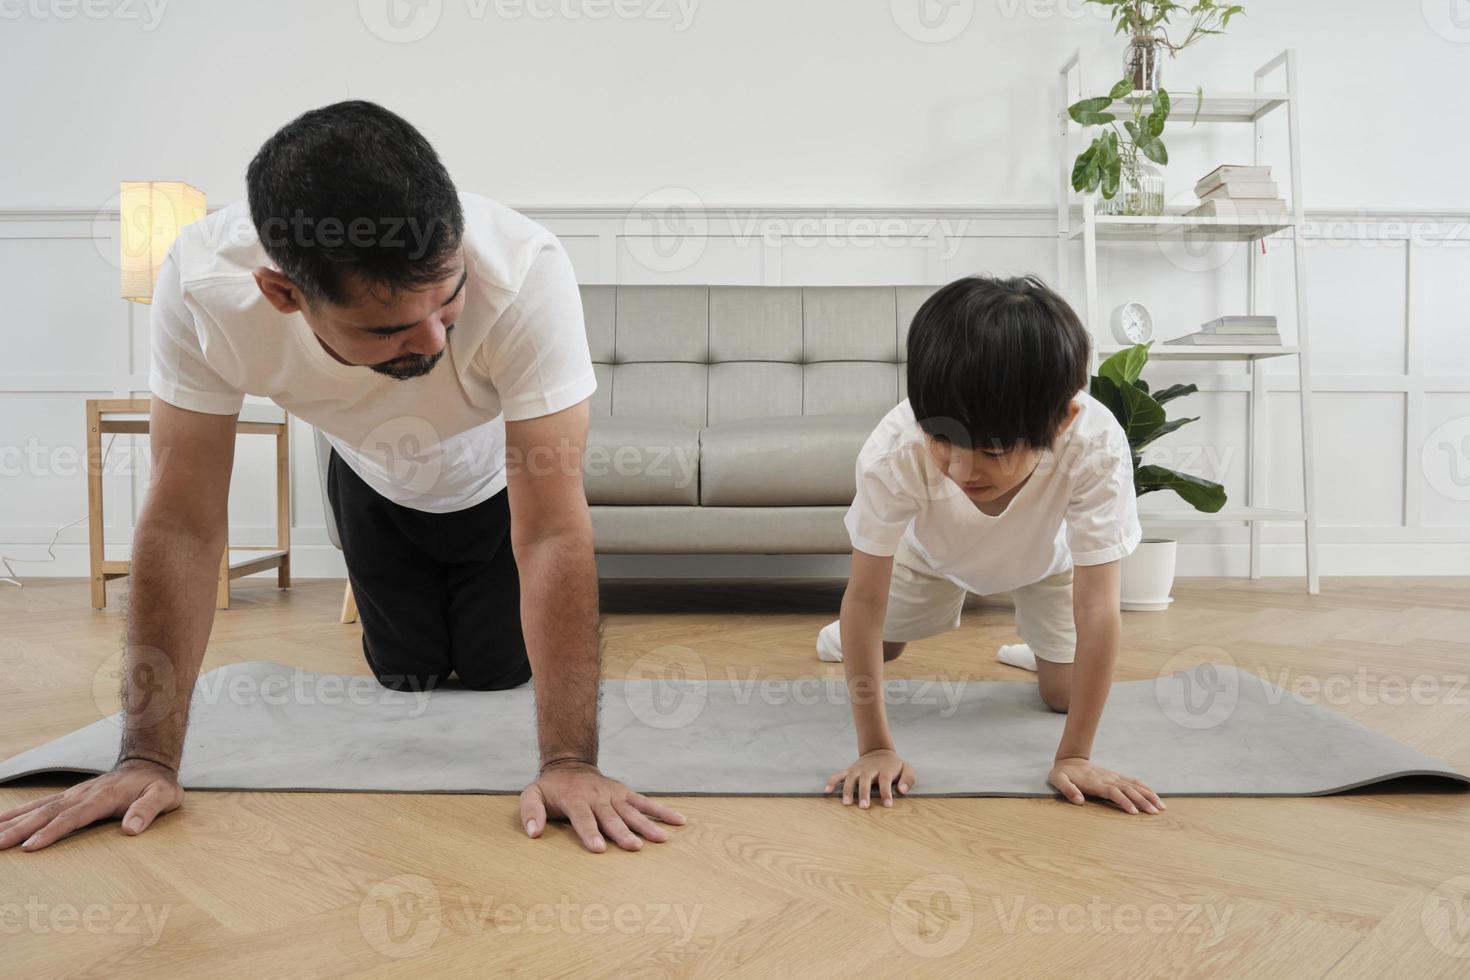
column 1077, row 219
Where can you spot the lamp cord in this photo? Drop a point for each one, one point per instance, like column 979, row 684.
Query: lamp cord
column 10, row 578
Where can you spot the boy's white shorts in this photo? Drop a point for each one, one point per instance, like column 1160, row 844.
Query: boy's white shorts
column 923, row 603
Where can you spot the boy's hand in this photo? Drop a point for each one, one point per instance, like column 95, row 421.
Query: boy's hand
column 1076, row 777
column 882, row 766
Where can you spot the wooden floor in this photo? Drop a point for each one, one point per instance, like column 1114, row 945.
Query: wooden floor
column 281, row 884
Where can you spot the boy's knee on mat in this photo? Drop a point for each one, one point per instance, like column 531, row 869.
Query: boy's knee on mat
column 1056, row 688
column 1057, row 700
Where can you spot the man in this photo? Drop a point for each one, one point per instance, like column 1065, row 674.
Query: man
column 437, row 341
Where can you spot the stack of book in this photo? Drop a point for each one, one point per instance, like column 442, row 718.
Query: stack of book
column 1235, row 331
column 1235, row 191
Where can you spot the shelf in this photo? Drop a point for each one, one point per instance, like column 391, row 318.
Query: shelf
column 1189, row 352
column 1228, row 515
column 1128, row 228
column 1178, row 238
column 1219, row 107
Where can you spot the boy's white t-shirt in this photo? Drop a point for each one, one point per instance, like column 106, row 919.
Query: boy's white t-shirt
column 434, row 443
column 1077, row 508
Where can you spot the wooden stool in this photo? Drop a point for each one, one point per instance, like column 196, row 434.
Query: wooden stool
column 130, row 416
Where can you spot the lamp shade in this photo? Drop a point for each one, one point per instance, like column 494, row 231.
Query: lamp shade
column 152, row 214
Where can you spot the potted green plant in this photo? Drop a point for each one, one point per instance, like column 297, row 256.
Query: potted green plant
column 1148, row 573
column 1112, row 161
column 1147, row 22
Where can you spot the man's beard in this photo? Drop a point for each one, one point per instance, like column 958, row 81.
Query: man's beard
column 411, row 366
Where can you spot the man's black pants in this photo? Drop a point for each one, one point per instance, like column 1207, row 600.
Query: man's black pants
column 437, row 594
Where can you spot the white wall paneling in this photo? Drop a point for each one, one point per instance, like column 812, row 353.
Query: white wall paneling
column 1390, row 294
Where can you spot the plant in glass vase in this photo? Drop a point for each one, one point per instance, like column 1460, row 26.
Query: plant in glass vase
column 1147, row 22
column 1110, row 164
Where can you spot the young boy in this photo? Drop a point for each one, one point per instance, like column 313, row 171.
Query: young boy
column 998, row 474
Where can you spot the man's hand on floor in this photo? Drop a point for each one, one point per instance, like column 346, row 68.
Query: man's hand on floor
column 136, row 790
column 1077, row 779
column 596, row 806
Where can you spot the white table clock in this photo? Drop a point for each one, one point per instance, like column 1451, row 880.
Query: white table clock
column 1133, row 324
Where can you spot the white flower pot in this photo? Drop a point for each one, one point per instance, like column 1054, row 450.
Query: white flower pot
column 1148, row 575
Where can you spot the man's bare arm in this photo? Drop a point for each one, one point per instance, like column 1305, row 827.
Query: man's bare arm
column 175, row 566
column 551, row 532
column 174, row 573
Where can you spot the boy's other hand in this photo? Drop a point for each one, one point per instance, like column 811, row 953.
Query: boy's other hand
column 881, row 766
column 1079, row 778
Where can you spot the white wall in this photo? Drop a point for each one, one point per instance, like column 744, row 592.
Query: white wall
column 827, row 106
column 751, row 102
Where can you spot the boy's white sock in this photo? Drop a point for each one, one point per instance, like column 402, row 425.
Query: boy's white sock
column 829, row 643
column 1017, row 655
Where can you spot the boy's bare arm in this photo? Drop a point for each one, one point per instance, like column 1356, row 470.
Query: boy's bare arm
column 1095, row 608
column 864, row 606
column 1099, row 628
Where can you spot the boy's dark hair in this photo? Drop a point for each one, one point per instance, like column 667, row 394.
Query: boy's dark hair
column 352, row 187
column 997, row 361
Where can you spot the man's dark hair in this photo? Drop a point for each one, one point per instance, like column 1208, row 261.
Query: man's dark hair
column 353, row 188
column 996, row 361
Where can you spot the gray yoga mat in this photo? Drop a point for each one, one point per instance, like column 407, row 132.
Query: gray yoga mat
column 1209, row 731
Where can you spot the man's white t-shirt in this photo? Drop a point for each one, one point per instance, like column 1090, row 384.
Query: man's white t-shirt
column 434, row 443
column 1077, row 508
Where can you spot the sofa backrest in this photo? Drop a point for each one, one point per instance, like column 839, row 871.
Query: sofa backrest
column 706, row 355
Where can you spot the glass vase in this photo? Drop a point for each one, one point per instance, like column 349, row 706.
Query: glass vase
column 1140, row 188
column 1143, row 62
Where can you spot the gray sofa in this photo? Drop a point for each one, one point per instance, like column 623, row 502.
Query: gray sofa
column 728, row 419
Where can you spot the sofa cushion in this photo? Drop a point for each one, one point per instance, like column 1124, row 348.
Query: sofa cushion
column 791, row 461
column 632, row 461
column 720, row 531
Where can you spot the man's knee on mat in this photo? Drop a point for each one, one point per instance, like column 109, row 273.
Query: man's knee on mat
column 409, row 683
column 502, row 681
